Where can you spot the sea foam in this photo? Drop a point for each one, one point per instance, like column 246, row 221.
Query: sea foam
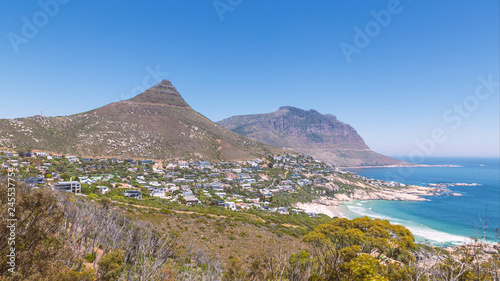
column 420, row 231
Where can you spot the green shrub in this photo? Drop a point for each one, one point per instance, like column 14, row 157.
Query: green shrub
column 111, row 265
column 165, row 211
column 174, row 234
column 90, row 257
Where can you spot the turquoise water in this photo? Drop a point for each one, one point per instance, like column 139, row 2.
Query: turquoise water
column 444, row 220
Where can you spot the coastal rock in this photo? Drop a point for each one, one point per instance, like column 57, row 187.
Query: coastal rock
column 490, row 250
column 375, row 192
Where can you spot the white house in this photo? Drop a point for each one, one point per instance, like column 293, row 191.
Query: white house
column 220, row 194
column 180, row 180
column 172, row 187
column 70, row 186
column 103, row 189
column 158, row 193
column 154, row 183
column 246, row 186
column 230, row 205
column 133, row 194
column 171, row 166
column 72, row 158
column 87, row 181
column 191, row 199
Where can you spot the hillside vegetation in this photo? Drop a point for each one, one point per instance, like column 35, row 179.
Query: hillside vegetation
column 157, row 124
column 65, row 237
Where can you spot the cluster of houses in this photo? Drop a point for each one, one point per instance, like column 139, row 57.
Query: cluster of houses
column 234, row 185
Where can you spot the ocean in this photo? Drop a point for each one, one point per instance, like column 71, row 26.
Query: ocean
column 444, row 220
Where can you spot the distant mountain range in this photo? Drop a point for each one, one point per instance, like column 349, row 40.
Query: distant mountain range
column 157, row 124
column 310, row 132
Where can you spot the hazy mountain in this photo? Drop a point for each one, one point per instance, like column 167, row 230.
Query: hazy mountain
column 156, row 124
column 309, row 132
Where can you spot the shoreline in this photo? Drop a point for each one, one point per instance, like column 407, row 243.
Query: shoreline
column 333, row 209
column 425, row 229
column 405, row 166
column 328, row 205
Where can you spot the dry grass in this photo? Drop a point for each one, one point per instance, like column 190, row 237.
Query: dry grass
column 221, row 237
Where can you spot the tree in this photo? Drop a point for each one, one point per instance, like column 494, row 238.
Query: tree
column 111, row 265
column 360, row 248
column 365, row 267
column 55, row 231
column 234, row 270
column 299, row 266
column 40, row 251
column 65, row 177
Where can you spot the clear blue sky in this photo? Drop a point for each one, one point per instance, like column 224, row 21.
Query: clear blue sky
column 263, row 55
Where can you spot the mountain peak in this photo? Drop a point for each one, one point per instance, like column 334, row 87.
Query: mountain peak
column 157, row 124
column 295, row 110
column 309, row 132
column 163, row 93
column 291, row 108
column 164, row 82
column 287, row 108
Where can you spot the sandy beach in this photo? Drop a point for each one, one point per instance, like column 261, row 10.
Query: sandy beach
column 324, row 206
column 403, row 166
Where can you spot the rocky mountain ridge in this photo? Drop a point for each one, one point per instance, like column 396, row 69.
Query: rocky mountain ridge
column 322, row 136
